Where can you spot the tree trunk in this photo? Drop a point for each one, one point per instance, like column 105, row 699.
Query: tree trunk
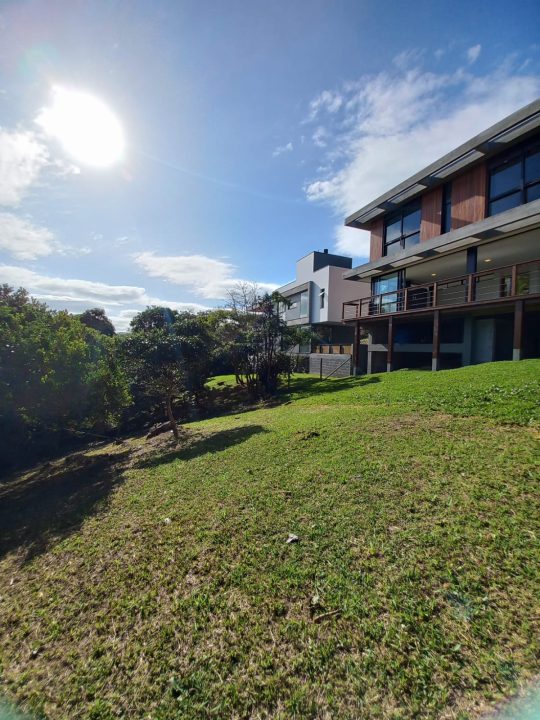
column 172, row 420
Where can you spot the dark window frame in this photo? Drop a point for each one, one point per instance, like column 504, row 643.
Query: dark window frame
column 515, row 156
column 400, row 215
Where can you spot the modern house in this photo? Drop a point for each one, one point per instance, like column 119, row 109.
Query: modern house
column 316, row 299
column 453, row 276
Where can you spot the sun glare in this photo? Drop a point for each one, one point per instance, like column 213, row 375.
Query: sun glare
column 85, row 127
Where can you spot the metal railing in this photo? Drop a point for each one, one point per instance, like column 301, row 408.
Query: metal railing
column 517, row 280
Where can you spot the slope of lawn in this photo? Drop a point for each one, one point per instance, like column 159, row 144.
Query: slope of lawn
column 161, row 585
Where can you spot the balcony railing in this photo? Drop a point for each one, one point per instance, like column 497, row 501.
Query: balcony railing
column 489, row 285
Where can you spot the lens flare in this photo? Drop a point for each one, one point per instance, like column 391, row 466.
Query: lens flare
column 85, row 127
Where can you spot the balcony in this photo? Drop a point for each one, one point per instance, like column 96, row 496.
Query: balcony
column 489, row 286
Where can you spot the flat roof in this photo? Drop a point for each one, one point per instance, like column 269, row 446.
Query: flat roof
column 496, row 138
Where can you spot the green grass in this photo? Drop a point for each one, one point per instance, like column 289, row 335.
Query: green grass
column 167, row 590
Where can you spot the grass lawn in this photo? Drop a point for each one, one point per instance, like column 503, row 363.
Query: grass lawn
column 162, row 586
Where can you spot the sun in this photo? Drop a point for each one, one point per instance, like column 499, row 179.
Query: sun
column 85, row 127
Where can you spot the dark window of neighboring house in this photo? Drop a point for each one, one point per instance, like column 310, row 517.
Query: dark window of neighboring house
column 514, row 180
column 402, row 229
column 446, row 223
column 322, row 298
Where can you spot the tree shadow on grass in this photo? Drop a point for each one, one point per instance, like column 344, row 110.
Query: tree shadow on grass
column 194, row 445
column 309, row 386
column 39, row 508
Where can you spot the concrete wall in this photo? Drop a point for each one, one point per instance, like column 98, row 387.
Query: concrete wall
column 341, row 291
column 339, row 365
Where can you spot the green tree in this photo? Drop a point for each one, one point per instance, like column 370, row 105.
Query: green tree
column 97, row 319
column 167, row 356
column 256, row 339
column 56, row 375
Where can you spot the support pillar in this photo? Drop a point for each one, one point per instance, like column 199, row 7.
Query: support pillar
column 356, row 348
column 466, row 355
column 390, row 351
column 472, row 267
column 517, row 353
column 472, row 260
column 435, row 362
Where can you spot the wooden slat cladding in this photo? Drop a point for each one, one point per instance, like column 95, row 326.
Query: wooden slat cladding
column 377, row 235
column 469, row 197
column 430, row 226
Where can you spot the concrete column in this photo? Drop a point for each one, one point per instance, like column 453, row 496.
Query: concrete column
column 355, row 348
column 472, row 260
column 390, row 351
column 466, row 353
column 436, row 341
column 517, row 353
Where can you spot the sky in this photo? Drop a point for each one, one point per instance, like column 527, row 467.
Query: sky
column 249, row 130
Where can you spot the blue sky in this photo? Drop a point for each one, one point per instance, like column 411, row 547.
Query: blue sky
column 251, row 128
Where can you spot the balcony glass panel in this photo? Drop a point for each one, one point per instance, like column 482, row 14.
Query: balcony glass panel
column 505, row 179
column 389, row 303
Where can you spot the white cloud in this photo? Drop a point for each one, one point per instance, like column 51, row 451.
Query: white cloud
column 121, row 302
column 351, row 241
column 22, row 157
column 48, row 288
column 320, row 136
column 25, row 241
column 207, row 277
column 283, row 149
column 328, row 101
column 407, row 58
column 393, row 124
column 473, row 53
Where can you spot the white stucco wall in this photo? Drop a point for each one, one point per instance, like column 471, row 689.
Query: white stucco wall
column 337, row 290
column 341, row 291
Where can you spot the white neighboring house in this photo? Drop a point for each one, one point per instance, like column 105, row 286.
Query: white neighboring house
column 316, row 300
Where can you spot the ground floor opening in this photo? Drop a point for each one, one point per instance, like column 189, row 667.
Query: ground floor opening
column 439, row 340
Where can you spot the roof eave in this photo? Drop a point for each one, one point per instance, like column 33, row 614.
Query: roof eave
column 499, row 136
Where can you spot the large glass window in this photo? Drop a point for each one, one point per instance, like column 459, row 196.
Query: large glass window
column 514, row 180
column 402, row 230
column 385, row 283
column 304, row 304
column 390, row 283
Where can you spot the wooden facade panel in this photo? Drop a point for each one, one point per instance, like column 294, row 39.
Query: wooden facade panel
column 430, row 226
column 377, row 236
column 469, row 197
